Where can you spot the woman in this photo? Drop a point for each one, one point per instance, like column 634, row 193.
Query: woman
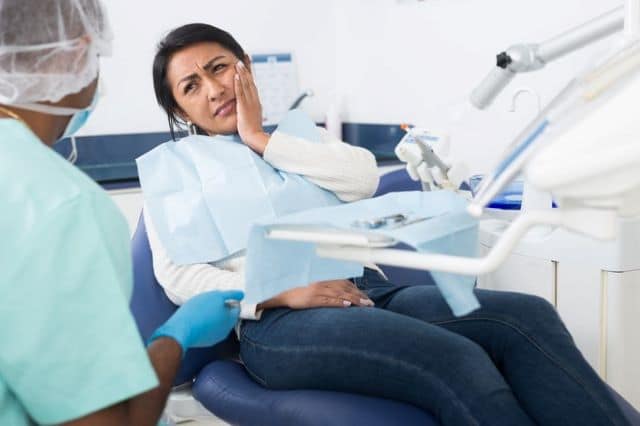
column 511, row 362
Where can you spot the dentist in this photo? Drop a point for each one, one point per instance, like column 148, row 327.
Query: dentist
column 70, row 351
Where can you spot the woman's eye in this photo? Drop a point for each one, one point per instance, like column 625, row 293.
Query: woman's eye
column 189, row 87
column 219, row 67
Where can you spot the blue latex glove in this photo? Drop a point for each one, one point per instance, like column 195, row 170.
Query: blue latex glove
column 202, row 321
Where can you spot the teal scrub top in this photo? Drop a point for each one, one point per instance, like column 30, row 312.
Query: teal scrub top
column 68, row 343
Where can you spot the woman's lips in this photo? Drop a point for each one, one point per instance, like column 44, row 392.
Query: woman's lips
column 226, row 108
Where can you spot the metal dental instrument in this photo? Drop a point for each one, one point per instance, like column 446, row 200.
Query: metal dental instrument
column 390, row 222
column 379, row 222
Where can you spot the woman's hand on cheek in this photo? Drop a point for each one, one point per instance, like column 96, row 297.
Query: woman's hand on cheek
column 249, row 110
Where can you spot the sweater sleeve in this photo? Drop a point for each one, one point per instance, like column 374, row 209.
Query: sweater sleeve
column 182, row 282
column 348, row 171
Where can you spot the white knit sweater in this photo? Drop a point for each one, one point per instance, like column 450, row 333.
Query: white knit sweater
column 349, row 172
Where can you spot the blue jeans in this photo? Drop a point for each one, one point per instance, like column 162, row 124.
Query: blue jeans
column 512, row 362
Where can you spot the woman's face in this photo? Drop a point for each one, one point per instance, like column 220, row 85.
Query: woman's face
column 201, row 79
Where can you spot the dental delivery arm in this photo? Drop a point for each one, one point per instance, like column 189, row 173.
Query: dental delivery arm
column 592, row 108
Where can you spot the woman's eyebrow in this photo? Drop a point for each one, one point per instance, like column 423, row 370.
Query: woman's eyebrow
column 206, row 67
column 209, row 64
column 190, row 77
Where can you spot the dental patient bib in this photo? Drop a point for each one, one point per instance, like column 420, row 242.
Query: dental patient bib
column 204, row 193
column 431, row 222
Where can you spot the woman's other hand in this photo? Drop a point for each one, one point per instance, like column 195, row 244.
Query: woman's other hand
column 249, row 110
column 322, row 294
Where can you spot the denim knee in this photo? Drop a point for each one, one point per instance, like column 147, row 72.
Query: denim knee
column 524, row 309
column 537, row 304
column 538, row 312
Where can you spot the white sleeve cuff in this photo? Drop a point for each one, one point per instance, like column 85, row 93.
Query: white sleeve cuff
column 277, row 147
column 248, row 311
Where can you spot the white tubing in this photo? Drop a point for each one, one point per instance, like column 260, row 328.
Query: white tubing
column 632, row 20
column 445, row 263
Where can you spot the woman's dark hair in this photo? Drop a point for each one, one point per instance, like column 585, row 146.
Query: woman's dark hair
column 176, row 40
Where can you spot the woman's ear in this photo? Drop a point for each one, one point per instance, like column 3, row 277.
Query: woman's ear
column 181, row 115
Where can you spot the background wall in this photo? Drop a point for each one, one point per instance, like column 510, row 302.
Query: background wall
column 417, row 62
column 382, row 61
column 306, row 28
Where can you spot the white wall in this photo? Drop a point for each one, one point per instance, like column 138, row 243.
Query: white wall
column 417, row 62
column 305, row 28
column 388, row 61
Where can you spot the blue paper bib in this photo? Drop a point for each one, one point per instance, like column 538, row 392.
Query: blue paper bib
column 204, row 193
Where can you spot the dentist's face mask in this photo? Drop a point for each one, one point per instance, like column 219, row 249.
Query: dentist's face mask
column 79, row 116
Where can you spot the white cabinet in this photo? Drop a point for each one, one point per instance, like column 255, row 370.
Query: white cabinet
column 522, row 274
column 579, row 303
column 621, row 333
column 600, row 308
column 594, row 285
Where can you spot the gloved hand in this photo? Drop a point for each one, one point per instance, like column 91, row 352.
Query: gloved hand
column 202, row 321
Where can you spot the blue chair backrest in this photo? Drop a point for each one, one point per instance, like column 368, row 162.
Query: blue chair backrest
column 397, row 181
column 151, row 308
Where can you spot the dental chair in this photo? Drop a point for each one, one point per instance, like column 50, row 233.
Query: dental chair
column 221, row 385
column 211, row 381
